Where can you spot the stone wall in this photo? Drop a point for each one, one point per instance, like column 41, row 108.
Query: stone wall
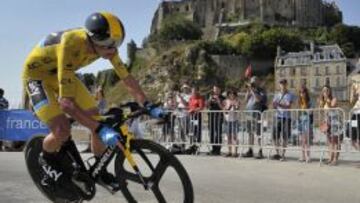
column 210, row 14
column 235, row 66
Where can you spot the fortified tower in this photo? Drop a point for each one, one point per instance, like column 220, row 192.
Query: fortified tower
column 215, row 16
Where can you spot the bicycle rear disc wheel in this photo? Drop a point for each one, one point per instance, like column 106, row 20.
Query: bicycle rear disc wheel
column 32, row 151
column 154, row 161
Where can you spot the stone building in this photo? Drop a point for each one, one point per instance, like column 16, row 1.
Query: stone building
column 354, row 80
column 315, row 68
column 217, row 16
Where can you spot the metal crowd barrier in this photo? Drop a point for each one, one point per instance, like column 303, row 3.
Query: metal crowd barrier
column 292, row 130
column 300, row 131
column 352, row 130
column 210, row 130
column 310, row 130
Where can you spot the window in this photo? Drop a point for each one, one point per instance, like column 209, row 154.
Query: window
column 281, row 62
column 292, row 71
column 292, row 84
column 327, row 55
column 327, row 70
column 327, row 81
column 289, row 62
column 303, row 82
column 317, row 71
column 338, row 70
column 281, row 72
column 317, row 82
column 222, row 4
column 303, row 71
column 338, row 82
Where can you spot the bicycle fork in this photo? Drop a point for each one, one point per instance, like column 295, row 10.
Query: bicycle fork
column 132, row 163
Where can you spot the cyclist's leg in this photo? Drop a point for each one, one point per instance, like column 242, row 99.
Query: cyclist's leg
column 60, row 133
column 87, row 103
column 42, row 94
column 90, row 113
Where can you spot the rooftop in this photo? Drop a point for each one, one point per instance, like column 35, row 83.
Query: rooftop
column 316, row 54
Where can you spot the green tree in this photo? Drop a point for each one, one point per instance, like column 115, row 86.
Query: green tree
column 237, row 40
column 354, row 37
column 349, row 49
column 348, row 37
column 264, row 44
column 255, row 47
column 179, row 28
column 322, row 35
column 107, row 78
column 88, row 79
column 131, row 52
column 340, row 34
column 219, row 47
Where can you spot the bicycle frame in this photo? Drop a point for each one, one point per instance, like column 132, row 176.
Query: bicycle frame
column 105, row 159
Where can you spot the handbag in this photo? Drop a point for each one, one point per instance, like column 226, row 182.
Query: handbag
column 324, row 127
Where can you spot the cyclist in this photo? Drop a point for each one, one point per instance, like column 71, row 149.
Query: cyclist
column 54, row 90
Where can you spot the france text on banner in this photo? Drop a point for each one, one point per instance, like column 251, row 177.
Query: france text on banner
column 20, row 125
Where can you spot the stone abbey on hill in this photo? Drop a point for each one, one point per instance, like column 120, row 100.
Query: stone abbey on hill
column 217, row 16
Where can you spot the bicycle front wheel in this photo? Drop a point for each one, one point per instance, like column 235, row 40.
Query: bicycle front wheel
column 162, row 171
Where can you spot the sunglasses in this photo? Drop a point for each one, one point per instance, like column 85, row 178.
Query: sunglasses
column 106, row 47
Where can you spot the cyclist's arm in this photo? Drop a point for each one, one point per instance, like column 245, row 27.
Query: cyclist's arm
column 67, row 64
column 134, row 89
column 85, row 118
column 131, row 84
column 67, row 87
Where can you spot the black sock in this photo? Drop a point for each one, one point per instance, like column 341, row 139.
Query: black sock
column 49, row 155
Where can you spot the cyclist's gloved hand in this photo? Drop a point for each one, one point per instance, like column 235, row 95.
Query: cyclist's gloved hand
column 154, row 111
column 108, row 135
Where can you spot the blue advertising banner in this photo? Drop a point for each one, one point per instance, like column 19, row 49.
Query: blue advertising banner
column 20, row 125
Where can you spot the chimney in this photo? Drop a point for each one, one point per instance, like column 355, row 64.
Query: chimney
column 312, row 47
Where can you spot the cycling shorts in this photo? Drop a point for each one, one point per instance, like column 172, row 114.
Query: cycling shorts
column 44, row 93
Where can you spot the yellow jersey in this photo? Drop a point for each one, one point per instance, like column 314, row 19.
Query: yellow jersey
column 59, row 55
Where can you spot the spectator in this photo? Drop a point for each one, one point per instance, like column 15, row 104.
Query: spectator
column 256, row 100
column 231, row 104
column 196, row 105
column 282, row 125
column 355, row 131
column 182, row 99
column 4, row 104
column 305, row 124
column 214, row 103
column 327, row 101
column 170, row 105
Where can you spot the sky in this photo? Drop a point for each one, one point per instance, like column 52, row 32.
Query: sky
column 25, row 22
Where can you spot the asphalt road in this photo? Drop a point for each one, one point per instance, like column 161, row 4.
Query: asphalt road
column 217, row 179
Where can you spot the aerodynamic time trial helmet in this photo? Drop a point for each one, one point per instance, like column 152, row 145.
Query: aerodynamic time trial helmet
column 105, row 29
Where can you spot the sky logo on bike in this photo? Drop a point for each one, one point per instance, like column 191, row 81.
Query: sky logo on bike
column 52, row 173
